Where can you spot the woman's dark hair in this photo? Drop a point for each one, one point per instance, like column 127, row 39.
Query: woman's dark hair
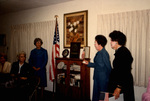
column 101, row 40
column 118, row 36
column 36, row 40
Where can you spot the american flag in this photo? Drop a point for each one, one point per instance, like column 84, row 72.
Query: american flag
column 55, row 52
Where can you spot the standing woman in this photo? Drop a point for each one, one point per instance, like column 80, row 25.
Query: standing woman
column 102, row 68
column 121, row 79
column 38, row 60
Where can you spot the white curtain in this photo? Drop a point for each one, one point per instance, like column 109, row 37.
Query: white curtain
column 22, row 38
column 136, row 26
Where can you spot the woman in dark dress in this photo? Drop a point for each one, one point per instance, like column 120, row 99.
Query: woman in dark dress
column 38, row 60
column 121, row 79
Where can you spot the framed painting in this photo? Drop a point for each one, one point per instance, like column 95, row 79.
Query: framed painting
column 75, row 28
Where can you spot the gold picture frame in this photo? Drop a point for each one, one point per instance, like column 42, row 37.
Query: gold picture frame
column 75, row 28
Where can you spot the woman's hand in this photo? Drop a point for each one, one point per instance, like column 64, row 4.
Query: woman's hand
column 36, row 69
column 117, row 93
column 23, row 78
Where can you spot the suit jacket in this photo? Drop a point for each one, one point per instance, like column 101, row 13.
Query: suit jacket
column 101, row 63
column 121, row 72
column 102, row 68
column 25, row 71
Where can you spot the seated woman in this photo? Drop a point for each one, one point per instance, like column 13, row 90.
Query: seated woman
column 5, row 66
column 21, row 68
column 21, row 72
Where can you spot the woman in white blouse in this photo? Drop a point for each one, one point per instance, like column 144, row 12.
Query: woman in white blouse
column 5, row 66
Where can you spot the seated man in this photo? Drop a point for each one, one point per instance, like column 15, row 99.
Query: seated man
column 21, row 68
column 5, row 66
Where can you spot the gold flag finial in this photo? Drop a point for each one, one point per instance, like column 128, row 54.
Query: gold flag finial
column 56, row 16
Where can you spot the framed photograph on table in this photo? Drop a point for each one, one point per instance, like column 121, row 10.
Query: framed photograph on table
column 75, row 28
column 86, row 50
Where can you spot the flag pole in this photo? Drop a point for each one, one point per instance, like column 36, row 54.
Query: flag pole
column 56, row 16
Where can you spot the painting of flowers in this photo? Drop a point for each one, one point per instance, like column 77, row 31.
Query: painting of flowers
column 75, row 28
